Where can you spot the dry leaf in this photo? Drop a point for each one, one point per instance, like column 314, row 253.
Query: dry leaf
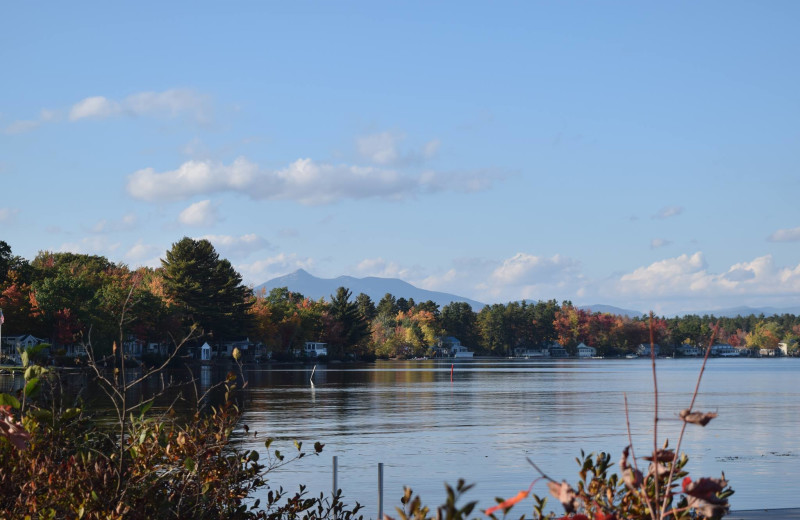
column 697, row 417
column 564, row 494
column 661, row 455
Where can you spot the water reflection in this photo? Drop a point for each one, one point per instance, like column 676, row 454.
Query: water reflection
column 482, row 425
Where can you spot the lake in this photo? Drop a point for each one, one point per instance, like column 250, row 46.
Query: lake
column 482, row 426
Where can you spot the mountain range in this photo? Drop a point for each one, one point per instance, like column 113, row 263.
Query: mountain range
column 315, row 288
column 376, row 288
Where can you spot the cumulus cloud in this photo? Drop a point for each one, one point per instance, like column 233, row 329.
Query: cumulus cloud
column 173, row 103
column 385, row 269
column 239, row 246
column 525, row 269
column 668, row 211
column 170, row 103
column 384, row 149
column 659, row 242
column 201, row 213
column 305, row 181
column 141, row 254
column 785, row 235
column 8, row 214
column 260, row 271
column 688, row 276
column 95, row 107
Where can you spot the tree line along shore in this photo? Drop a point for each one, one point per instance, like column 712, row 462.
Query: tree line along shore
column 72, row 299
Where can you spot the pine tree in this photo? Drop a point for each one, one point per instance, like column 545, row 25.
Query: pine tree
column 207, row 289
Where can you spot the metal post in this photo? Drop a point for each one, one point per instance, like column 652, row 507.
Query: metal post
column 380, row 491
column 335, row 474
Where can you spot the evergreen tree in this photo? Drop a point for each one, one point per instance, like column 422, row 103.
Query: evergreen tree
column 207, row 289
column 352, row 324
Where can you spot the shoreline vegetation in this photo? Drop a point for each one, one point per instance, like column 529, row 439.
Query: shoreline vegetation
column 59, row 301
column 56, row 461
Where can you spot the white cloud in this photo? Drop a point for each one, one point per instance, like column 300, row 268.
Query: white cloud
column 95, row 107
column 657, row 243
column 22, row 126
column 18, row 127
column 668, row 211
column 384, row 149
column 379, row 148
column 144, row 255
column 525, row 269
column 241, row 245
column 304, row 181
column 785, row 235
column 8, row 214
column 127, row 222
column 689, row 277
column 201, row 213
column 260, row 271
column 381, row 268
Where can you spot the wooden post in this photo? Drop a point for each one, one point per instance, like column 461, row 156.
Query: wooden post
column 380, row 491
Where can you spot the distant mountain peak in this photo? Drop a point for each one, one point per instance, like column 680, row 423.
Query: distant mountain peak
column 301, row 281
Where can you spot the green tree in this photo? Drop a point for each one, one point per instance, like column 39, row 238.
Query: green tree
column 351, row 327
column 459, row 320
column 366, row 306
column 207, row 290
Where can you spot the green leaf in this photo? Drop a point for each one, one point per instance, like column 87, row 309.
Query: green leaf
column 25, row 357
column 298, row 445
column 267, row 443
column 318, row 447
column 70, row 413
column 253, row 456
column 42, row 415
column 145, row 409
column 8, row 399
column 189, row 464
column 32, row 387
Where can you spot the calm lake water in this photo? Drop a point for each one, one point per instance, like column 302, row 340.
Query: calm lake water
column 427, row 430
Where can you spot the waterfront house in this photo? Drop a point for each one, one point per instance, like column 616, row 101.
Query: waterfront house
column 724, row 350
column 556, row 350
column 687, row 350
column 770, row 352
column 585, row 351
column 241, row 344
column 531, row 352
column 315, row 349
column 449, row 346
column 644, row 349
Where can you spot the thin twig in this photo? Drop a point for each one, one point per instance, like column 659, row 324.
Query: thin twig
column 691, row 404
column 654, row 514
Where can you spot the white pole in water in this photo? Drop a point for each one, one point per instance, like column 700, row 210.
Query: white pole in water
column 335, row 474
column 380, row 491
column 312, row 375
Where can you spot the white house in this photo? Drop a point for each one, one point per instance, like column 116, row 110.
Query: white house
column 585, row 351
column 687, row 350
column 315, row 349
column 530, row 352
column 205, row 352
column 724, row 350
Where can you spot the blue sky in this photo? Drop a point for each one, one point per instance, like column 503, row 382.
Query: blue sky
column 636, row 154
